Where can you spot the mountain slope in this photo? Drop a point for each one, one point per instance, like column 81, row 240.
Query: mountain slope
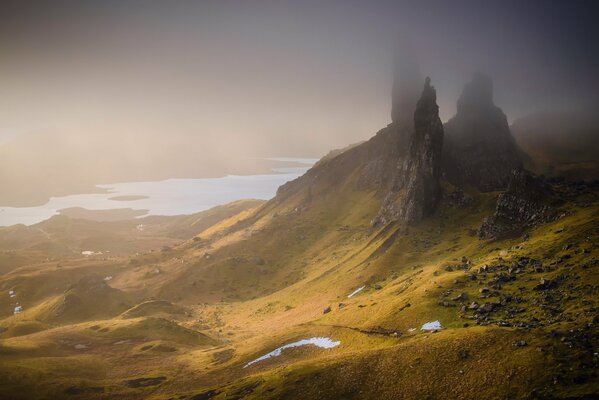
column 417, row 303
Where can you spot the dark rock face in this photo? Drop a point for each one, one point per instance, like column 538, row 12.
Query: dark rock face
column 401, row 164
column 415, row 191
column 525, row 203
column 479, row 148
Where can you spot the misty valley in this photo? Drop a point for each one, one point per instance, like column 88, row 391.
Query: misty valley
column 311, row 200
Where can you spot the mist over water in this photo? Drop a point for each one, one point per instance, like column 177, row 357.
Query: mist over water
column 167, row 197
column 126, row 91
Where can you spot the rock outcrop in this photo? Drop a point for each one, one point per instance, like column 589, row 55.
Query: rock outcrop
column 401, row 164
column 526, row 202
column 416, row 191
column 479, row 148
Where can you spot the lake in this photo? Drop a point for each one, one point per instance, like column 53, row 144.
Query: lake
column 167, row 197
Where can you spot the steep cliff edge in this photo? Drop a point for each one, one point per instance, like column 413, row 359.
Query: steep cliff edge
column 416, row 190
column 401, row 165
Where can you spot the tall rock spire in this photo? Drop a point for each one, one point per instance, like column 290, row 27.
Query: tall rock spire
column 423, row 170
column 479, row 148
column 416, row 190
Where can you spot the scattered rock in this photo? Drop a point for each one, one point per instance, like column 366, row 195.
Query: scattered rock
column 460, row 297
column 464, row 354
column 545, row 284
column 527, row 202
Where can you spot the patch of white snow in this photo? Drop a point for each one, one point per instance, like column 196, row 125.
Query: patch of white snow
column 431, row 326
column 322, row 342
column 358, row 290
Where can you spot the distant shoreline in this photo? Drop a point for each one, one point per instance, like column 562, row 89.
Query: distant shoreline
column 170, row 196
column 265, row 166
column 117, row 214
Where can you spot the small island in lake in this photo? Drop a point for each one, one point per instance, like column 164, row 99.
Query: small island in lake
column 128, row 198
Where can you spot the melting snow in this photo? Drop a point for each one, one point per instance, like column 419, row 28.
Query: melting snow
column 322, row 342
column 88, row 253
column 18, row 310
column 12, row 293
column 358, row 290
column 431, row 326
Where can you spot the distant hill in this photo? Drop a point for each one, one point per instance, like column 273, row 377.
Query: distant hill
column 560, row 143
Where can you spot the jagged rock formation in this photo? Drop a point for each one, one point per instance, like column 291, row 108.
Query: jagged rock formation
column 479, row 148
column 402, row 164
column 416, row 190
column 525, row 203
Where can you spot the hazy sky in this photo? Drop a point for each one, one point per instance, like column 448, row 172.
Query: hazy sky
column 282, row 72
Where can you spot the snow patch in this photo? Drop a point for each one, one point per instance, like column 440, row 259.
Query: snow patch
column 322, row 342
column 431, row 326
column 88, row 253
column 18, row 309
column 109, row 277
column 358, row 290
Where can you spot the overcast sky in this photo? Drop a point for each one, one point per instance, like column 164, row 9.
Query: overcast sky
column 277, row 71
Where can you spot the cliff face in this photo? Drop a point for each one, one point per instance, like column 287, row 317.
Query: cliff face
column 401, row 165
column 525, row 203
column 416, row 191
column 479, row 148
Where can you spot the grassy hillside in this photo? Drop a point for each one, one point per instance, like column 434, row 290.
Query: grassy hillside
column 185, row 320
